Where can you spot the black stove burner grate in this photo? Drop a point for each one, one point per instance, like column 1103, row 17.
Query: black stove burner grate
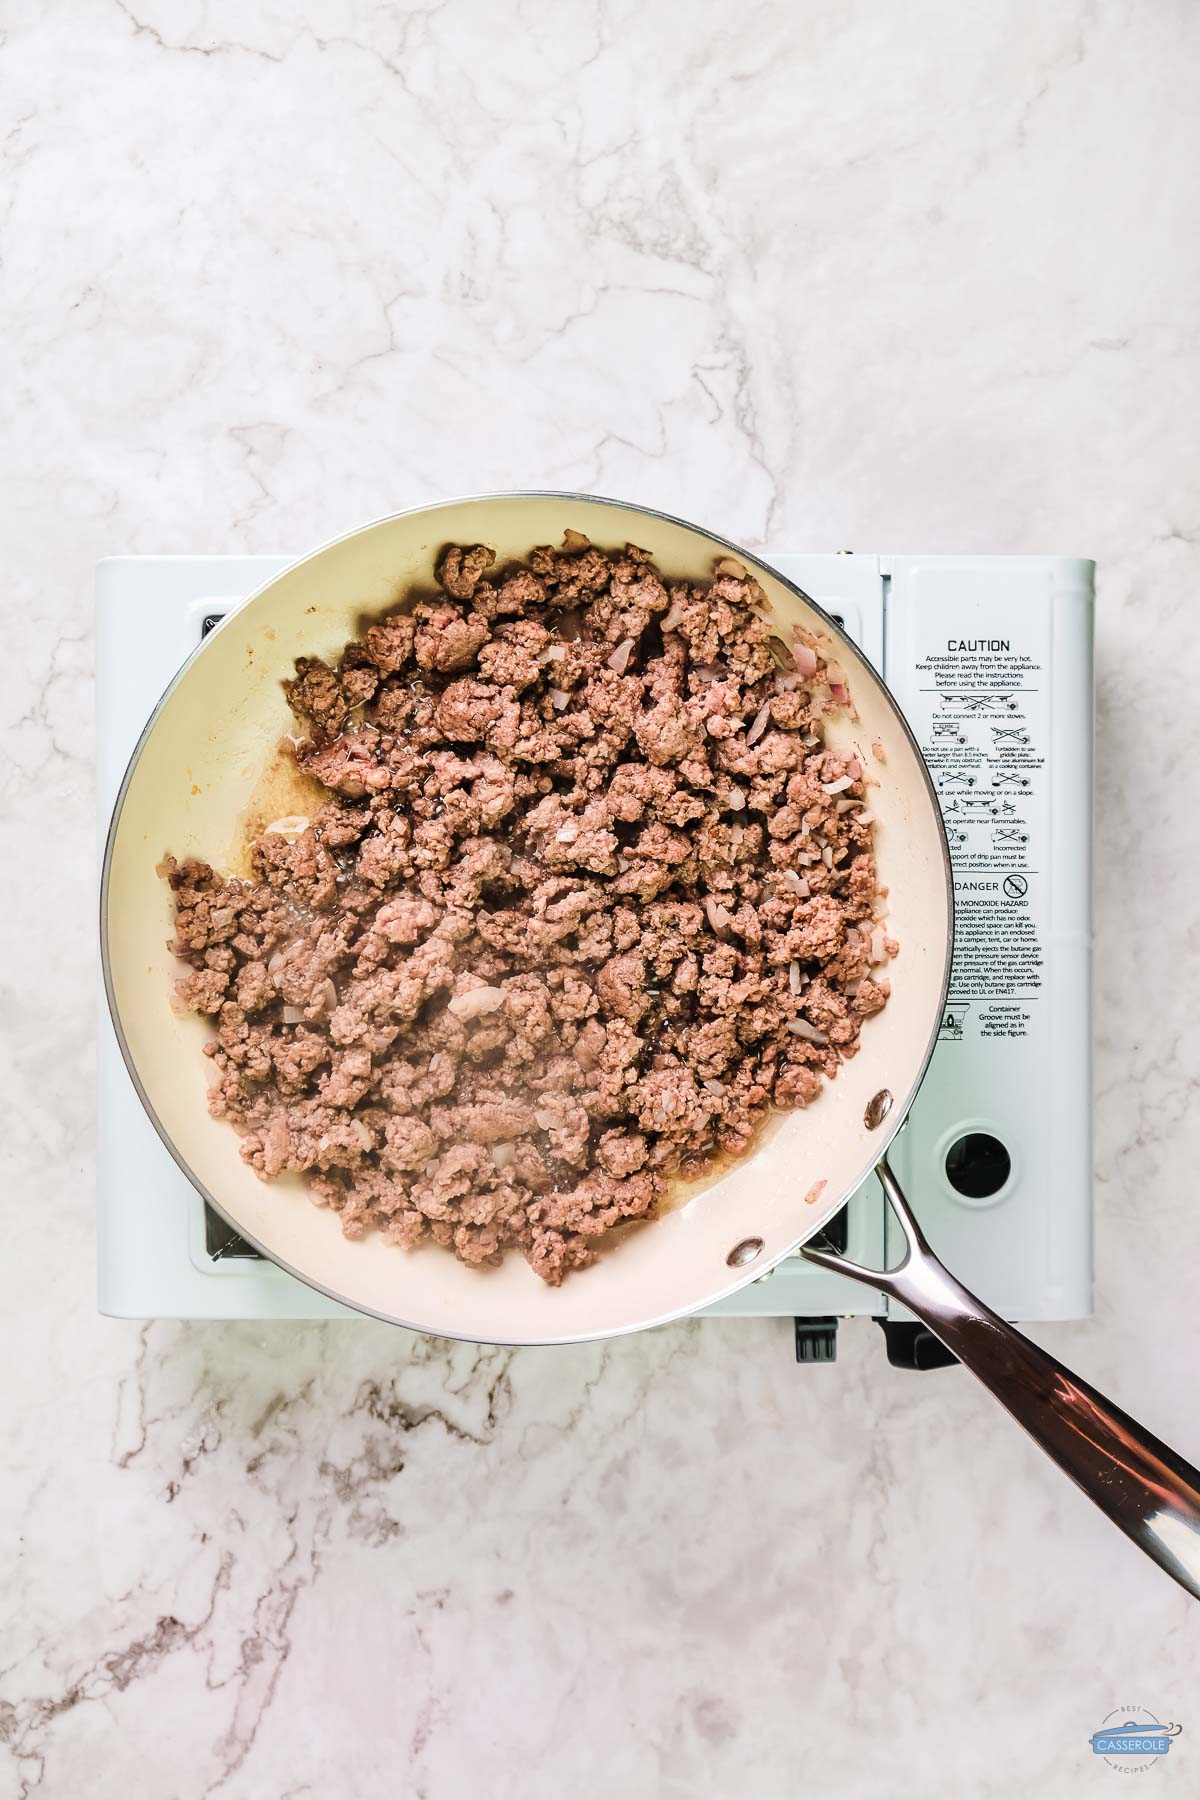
column 223, row 1243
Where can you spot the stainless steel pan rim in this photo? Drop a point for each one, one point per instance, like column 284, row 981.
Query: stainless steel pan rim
column 888, row 1127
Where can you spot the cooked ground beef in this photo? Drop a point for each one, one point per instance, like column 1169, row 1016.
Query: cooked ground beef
column 588, row 897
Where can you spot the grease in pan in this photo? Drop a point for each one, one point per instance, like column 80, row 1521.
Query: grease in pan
column 586, row 898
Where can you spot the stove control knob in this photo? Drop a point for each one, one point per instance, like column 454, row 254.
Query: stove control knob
column 977, row 1165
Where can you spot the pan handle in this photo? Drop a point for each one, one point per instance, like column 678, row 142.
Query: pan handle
column 1143, row 1486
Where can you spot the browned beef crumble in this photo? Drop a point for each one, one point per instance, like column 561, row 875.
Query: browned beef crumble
column 581, row 907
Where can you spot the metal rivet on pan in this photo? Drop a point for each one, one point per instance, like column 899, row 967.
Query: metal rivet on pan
column 744, row 1253
column 878, row 1108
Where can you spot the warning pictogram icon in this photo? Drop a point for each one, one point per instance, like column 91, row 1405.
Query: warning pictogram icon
column 1016, row 886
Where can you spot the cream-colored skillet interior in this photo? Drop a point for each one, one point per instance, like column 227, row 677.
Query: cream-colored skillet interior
column 188, row 790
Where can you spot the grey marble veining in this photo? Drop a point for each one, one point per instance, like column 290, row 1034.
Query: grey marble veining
column 923, row 276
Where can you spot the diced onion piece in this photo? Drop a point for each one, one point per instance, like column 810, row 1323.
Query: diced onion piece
column 502, row 1154
column 802, row 1029
column 714, row 1087
column 866, row 818
column 805, row 658
column 575, row 540
column 475, row 1002
column 545, row 1121
column 839, row 786
column 794, row 976
column 556, row 653
column 618, row 662
column 566, row 834
column 718, row 916
column 292, row 826
column 728, row 566
column 559, row 698
column 787, row 683
column 827, row 857
column 707, row 672
column 854, row 768
column 761, row 720
column 878, row 948
column 784, row 657
column 672, row 616
column 837, row 692
column 292, row 1015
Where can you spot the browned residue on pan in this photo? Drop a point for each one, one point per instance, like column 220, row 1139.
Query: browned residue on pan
column 282, row 790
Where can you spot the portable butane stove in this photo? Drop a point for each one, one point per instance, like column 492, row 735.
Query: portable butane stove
column 991, row 660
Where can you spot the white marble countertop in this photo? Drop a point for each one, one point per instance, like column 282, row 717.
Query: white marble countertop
column 823, row 276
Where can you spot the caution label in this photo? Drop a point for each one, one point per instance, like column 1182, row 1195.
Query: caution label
column 982, row 719
column 997, row 947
